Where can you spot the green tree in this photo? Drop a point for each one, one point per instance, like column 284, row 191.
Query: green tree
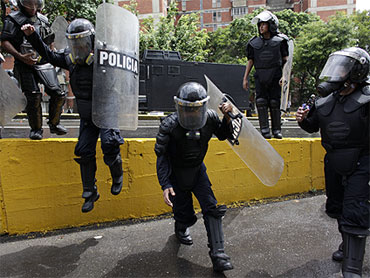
column 72, row 9
column 183, row 36
column 362, row 29
column 314, row 43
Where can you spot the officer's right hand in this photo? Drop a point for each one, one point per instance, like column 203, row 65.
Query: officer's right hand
column 28, row 29
column 166, row 196
column 27, row 58
column 301, row 114
column 245, row 84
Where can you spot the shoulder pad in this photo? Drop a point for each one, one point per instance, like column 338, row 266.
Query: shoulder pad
column 325, row 105
column 168, row 124
column 212, row 115
column 357, row 99
column 256, row 42
column 163, row 136
column 283, row 36
column 19, row 17
column 43, row 18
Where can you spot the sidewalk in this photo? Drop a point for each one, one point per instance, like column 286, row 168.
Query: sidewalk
column 287, row 239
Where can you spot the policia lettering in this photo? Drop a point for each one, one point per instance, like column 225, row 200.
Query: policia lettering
column 117, row 60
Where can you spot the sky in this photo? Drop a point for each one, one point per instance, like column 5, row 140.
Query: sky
column 362, row 5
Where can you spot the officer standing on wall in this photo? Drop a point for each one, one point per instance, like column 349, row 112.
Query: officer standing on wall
column 78, row 59
column 267, row 53
column 29, row 70
column 342, row 116
column 181, row 146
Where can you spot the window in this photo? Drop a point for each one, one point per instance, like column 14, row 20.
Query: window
column 216, row 3
column 216, row 17
column 183, row 5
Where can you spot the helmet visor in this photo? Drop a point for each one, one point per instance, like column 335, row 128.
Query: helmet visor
column 32, row 4
column 80, row 45
column 337, row 68
column 192, row 115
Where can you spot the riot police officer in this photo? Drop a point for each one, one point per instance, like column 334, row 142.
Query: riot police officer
column 342, row 116
column 30, row 70
column 267, row 53
column 78, row 59
column 181, row 145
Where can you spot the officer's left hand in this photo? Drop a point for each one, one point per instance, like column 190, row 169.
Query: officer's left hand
column 28, row 29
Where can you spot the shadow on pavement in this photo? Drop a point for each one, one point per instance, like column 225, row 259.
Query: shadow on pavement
column 44, row 261
column 165, row 263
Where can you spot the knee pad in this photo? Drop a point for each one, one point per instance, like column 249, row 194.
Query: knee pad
column 261, row 102
column 274, row 103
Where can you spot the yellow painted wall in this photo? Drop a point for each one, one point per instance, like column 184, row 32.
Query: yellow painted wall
column 40, row 184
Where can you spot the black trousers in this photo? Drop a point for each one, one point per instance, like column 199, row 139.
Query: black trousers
column 183, row 202
column 88, row 137
column 348, row 197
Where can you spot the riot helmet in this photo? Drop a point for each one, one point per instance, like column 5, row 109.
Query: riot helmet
column 30, row 7
column 80, row 37
column 268, row 17
column 350, row 64
column 191, row 105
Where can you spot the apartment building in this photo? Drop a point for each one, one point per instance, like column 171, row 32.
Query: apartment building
column 219, row 13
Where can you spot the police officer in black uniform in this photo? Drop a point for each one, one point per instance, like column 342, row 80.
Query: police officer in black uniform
column 29, row 70
column 181, row 145
column 78, row 59
column 267, row 53
column 342, row 117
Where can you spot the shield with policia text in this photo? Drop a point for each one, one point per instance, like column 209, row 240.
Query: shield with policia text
column 260, row 157
column 12, row 100
column 59, row 28
column 287, row 69
column 116, row 68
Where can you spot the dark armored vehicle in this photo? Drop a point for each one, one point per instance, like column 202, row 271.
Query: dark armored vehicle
column 162, row 73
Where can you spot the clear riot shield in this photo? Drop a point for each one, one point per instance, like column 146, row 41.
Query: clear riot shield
column 59, row 27
column 12, row 99
column 116, row 68
column 260, row 157
column 287, row 69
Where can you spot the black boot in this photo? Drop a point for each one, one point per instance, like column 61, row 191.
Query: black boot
column 275, row 118
column 353, row 251
column 55, row 110
column 182, row 233
column 263, row 117
column 90, row 191
column 115, row 167
column 213, row 223
column 338, row 255
column 34, row 115
column 36, row 134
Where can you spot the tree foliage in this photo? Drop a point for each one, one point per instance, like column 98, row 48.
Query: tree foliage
column 72, row 9
column 183, row 36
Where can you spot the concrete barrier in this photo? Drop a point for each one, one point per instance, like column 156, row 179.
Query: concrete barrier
column 40, row 186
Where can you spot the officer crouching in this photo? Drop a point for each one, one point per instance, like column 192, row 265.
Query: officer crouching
column 181, row 146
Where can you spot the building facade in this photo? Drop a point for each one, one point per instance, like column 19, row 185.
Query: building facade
column 219, row 13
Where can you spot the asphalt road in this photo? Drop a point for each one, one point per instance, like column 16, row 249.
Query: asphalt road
column 289, row 239
column 19, row 128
